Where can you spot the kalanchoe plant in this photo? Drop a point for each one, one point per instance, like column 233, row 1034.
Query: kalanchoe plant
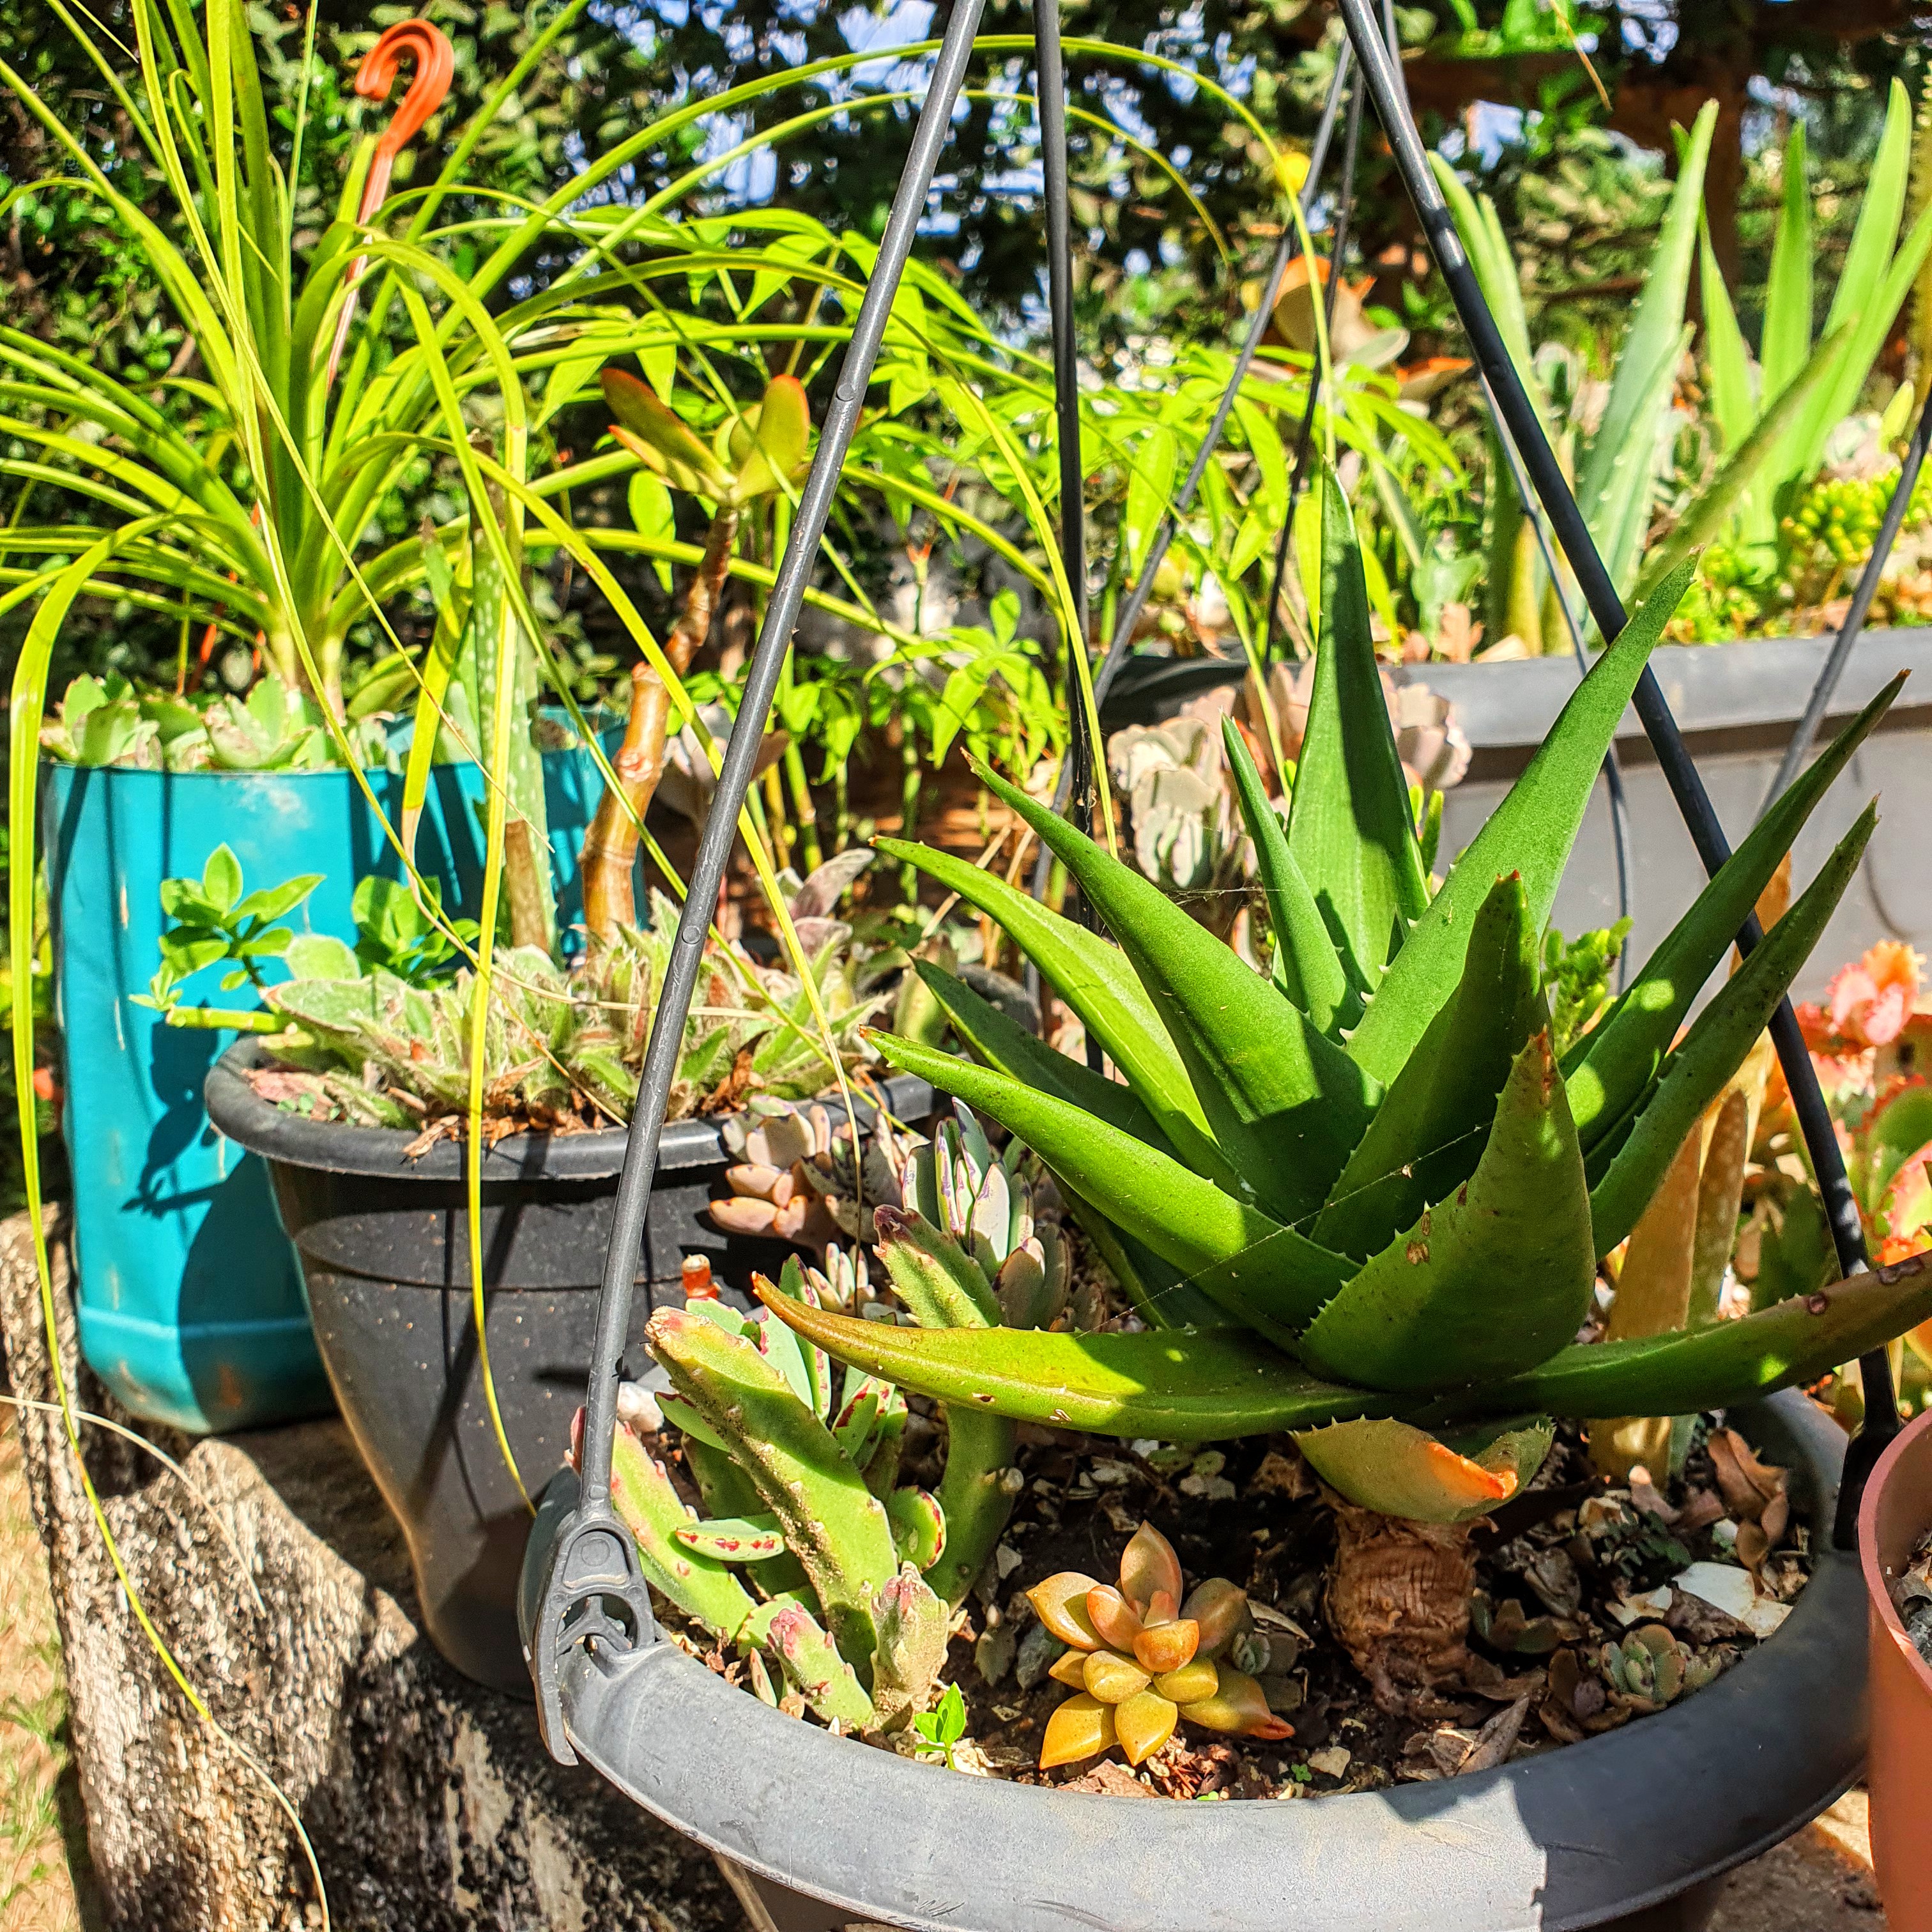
column 1365, row 1201
column 1140, row 1659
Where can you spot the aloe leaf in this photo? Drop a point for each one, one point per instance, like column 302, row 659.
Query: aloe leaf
column 1161, row 1293
column 1348, row 825
column 833, row 1523
column 1614, row 1062
column 1094, row 979
column 1187, row 1221
column 1489, row 1282
column 1627, row 437
column 1788, row 294
column 1307, row 966
column 1732, row 403
column 1176, row 1385
column 1401, row 1471
column 1428, row 1133
column 1714, row 1047
column 1530, row 832
column 1748, row 464
column 1001, row 1041
column 1792, row 1342
column 1285, row 1106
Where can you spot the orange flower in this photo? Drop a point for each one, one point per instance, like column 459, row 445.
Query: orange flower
column 1871, row 1001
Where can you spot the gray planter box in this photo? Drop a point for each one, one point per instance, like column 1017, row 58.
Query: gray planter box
column 1737, row 705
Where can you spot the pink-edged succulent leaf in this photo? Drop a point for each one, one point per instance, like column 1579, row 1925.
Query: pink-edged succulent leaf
column 659, row 437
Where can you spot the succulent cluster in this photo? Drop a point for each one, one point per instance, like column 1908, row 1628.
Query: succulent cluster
column 1364, row 1200
column 1140, row 1659
column 1650, row 1668
column 1832, row 527
column 563, row 1049
column 852, row 1575
column 275, row 728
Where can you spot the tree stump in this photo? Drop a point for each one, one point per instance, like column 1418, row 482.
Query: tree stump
column 430, row 1803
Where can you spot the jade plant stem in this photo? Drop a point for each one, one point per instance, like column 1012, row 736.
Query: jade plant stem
column 609, row 853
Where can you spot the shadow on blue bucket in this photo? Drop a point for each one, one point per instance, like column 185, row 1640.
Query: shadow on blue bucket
column 190, row 1304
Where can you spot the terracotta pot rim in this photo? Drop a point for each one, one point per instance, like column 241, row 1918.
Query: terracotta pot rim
column 1877, row 1588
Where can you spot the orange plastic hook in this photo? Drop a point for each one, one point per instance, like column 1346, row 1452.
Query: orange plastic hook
column 435, row 60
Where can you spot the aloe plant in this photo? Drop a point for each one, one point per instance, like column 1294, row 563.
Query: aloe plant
column 1365, row 1201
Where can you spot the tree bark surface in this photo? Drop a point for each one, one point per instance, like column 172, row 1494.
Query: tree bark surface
column 430, row 1802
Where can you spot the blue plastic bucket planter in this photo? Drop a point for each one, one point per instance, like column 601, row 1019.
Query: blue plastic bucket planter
column 190, row 1302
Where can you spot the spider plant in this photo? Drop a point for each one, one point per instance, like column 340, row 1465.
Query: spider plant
column 1361, row 1199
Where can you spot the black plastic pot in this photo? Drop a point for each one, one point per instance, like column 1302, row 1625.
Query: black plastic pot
column 384, row 1245
column 1633, row 1829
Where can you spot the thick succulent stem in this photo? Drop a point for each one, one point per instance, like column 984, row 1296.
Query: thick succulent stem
column 1398, row 1600
column 529, row 905
column 973, row 1497
column 608, row 858
column 610, row 851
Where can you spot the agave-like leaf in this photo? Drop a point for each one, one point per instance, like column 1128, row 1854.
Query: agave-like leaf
column 1189, row 1222
column 1429, row 1132
column 1715, row 1047
column 1614, row 1061
column 1307, row 967
column 1162, row 1294
column 1095, row 979
column 1792, row 1342
column 1488, row 1282
column 1176, row 1385
column 1001, row 1041
column 1286, row 1106
column 1382, row 1464
column 1349, row 830
column 1531, row 832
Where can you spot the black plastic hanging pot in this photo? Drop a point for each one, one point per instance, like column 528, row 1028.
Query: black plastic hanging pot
column 384, row 1246
column 1633, row 1829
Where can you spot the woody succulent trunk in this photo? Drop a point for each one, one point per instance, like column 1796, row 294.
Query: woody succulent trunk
column 760, row 453
column 1360, row 1199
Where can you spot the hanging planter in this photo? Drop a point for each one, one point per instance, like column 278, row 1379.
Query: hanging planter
column 383, row 1243
column 1893, row 1525
column 1595, row 1833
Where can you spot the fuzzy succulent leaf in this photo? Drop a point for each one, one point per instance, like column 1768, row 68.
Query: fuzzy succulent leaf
column 1403, row 1471
column 912, row 1623
column 1095, row 979
column 1430, row 1129
column 939, row 1283
column 1697, row 1071
column 1488, row 1282
column 1531, row 832
column 699, row 1583
column 1176, row 1385
column 1285, row 1106
column 812, row 1664
column 832, row 1523
column 1349, row 828
column 1306, row 966
column 1613, row 1063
